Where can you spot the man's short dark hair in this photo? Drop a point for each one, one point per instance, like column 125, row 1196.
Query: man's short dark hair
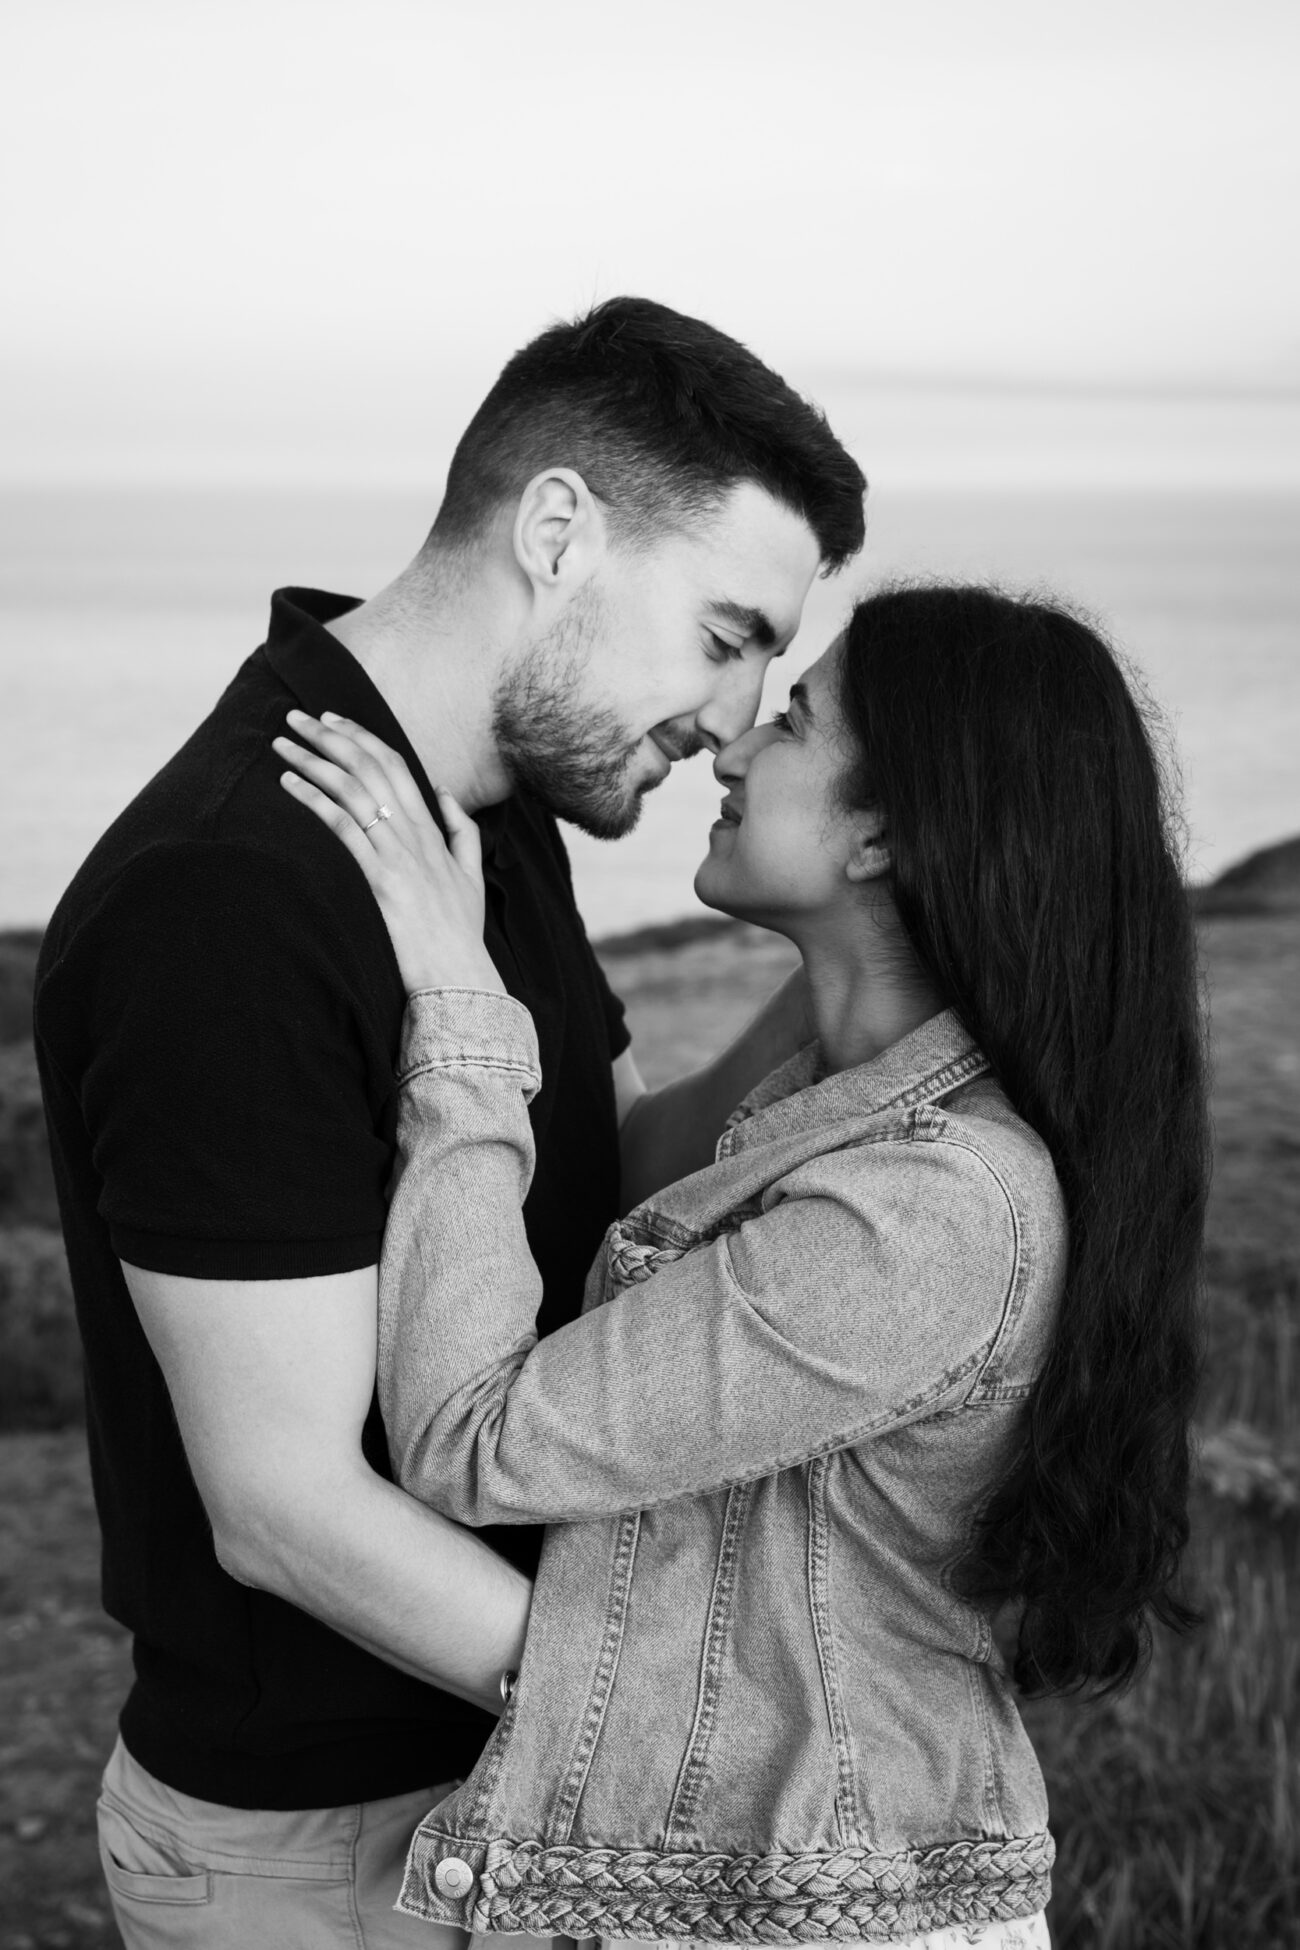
column 662, row 416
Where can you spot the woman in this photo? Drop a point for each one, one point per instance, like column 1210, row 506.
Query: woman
column 920, row 1344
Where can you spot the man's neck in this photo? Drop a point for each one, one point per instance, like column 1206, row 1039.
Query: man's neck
column 426, row 650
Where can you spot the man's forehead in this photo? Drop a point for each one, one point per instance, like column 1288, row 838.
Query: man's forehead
column 755, row 567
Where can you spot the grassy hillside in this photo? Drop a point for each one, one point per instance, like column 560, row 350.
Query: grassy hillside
column 1176, row 1809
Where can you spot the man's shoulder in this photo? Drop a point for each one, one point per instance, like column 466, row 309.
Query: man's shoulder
column 213, row 823
column 249, row 891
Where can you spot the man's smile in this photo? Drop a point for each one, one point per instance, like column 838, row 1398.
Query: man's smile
column 675, row 749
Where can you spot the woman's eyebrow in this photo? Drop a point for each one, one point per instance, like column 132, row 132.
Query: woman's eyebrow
column 756, row 623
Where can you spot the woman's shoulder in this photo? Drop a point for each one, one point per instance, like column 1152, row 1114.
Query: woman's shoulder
column 965, row 1168
column 1007, row 1154
column 980, row 1138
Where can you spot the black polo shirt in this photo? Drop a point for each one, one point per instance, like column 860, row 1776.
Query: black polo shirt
column 217, row 1018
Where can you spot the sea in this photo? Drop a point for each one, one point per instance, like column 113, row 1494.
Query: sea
column 124, row 610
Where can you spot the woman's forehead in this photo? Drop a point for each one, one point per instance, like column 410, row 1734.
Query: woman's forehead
column 820, row 679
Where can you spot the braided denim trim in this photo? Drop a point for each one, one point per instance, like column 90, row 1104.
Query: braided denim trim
column 850, row 1894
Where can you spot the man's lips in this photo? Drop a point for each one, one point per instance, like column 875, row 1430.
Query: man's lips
column 729, row 815
column 675, row 749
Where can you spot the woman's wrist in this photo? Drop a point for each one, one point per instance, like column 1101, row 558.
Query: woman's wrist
column 477, row 975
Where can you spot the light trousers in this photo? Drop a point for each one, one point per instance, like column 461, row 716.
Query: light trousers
column 186, row 1874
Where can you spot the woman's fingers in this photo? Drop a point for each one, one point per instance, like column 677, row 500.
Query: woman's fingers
column 363, row 774
column 464, row 840
column 369, row 757
column 343, row 750
column 337, row 818
column 429, row 888
column 359, row 801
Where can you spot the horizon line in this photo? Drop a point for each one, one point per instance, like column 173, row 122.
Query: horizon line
column 1184, row 390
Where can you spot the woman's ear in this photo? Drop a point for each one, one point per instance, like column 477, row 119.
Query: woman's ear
column 559, row 533
column 869, row 856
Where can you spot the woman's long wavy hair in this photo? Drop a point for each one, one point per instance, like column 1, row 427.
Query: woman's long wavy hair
column 1035, row 872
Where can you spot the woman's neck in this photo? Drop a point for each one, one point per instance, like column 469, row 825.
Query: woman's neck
column 866, row 991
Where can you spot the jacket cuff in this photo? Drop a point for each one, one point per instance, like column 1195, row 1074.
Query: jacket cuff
column 456, row 1029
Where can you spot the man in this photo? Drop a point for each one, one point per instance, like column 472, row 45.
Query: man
column 631, row 524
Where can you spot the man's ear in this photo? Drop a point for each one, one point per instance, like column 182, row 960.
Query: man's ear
column 869, row 855
column 559, row 533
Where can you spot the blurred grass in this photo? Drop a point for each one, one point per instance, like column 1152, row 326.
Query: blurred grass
column 1176, row 1808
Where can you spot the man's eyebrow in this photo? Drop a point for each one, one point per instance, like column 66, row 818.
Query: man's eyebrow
column 756, row 623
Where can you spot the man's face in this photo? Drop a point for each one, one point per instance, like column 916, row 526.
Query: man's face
column 662, row 653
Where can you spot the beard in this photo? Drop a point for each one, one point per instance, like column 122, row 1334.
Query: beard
column 570, row 754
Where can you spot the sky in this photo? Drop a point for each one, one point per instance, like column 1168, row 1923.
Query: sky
column 277, row 238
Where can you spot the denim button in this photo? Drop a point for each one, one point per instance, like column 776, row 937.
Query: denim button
column 452, row 1877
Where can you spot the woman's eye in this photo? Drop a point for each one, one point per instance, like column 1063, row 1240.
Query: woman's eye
column 781, row 719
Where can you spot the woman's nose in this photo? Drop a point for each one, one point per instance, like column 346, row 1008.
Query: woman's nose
column 733, row 761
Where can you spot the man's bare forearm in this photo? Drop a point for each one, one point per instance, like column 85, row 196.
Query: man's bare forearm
column 272, row 1381
column 671, row 1132
column 395, row 1578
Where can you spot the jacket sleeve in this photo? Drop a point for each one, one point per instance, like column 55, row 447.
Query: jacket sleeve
column 865, row 1295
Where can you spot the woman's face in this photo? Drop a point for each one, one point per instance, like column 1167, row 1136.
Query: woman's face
column 780, row 853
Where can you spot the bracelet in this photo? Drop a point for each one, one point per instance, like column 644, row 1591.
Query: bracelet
column 506, row 1685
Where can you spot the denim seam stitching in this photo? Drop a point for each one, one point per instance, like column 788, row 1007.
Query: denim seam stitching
column 627, row 1538
column 848, row 1811
column 1017, row 1284
column 691, row 1776
column 354, row 1911
column 488, row 1771
column 992, row 1799
column 466, row 1060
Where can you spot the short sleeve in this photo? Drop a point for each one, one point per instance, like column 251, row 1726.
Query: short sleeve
column 233, row 1083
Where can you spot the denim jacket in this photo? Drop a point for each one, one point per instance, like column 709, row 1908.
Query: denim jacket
column 751, row 1704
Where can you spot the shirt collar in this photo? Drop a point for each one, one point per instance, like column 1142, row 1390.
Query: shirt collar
column 324, row 676
column 923, row 1067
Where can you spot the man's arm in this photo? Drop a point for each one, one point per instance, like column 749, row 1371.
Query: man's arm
column 666, row 1134
column 271, row 1381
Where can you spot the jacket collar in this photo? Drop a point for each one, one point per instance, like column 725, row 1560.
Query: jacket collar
column 934, row 1060
column 324, row 676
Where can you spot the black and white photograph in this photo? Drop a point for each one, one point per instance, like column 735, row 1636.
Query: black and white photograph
column 650, row 975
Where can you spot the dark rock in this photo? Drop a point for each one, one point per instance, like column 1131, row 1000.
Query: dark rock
column 40, row 1351
column 1265, row 882
column 18, row 948
column 26, row 1179
column 665, row 934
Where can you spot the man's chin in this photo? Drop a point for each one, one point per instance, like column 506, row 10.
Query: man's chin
column 603, row 820
column 601, row 825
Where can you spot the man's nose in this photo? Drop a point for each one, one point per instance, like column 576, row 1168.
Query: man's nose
column 734, row 705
